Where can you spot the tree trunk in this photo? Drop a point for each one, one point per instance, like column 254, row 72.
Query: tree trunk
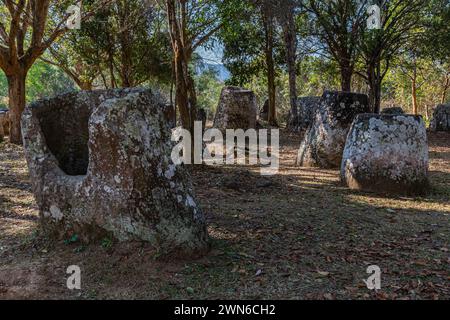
column 291, row 48
column 444, row 91
column 126, row 68
column 374, row 82
column 16, row 94
column 414, row 95
column 182, row 92
column 85, row 85
column 346, row 78
column 268, row 24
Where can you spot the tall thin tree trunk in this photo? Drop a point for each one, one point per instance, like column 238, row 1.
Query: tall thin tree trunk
column 346, row 77
column 414, row 95
column 182, row 93
column 16, row 94
column 290, row 40
column 125, row 39
column 444, row 91
column 374, row 82
column 268, row 24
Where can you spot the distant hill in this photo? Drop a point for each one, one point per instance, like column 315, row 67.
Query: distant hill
column 223, row 72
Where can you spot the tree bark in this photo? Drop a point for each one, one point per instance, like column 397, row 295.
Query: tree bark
column 268, row 26
column 185, row 97
column 125, row 39
column 414, row 94
column 16, row 93
column 85, row 85
column 290, row 40
column 346, row 77
column 374, row 81
column 445, row 89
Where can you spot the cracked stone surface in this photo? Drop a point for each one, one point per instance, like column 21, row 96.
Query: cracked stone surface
column 325, row 138
column 387, row 154
column 441, row 118
column 100, row 165
column 237, row 109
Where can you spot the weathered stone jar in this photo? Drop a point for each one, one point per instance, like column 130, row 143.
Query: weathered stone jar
column 441, row 118
column 325, row 138
column 387, row 154
column 237, row 109
column 100, row 165
column 393, row 110
column 306, row 110
column 4, row 123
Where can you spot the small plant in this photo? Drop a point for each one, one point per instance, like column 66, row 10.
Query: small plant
column 79, row 249
column 72, row 239
column 107, row 242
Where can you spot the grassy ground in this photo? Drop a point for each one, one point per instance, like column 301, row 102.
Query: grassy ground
column 297, row 235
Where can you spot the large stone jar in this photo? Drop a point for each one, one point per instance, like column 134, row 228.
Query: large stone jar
column 100, row 165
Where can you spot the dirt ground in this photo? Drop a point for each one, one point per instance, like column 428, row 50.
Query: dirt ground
column 297, row 235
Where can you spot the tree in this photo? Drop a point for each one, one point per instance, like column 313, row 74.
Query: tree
column 338, row 25
column 191, row 24
column 266, row 8
column 400, row 23
column 411, row 66
column 436, row 39
column 285, row 11
column 123, row 44
column 25, row 34
column 252, row 45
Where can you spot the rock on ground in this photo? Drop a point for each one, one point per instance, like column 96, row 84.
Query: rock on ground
column 393, row 110
column 237, row 109
column 387, row 154
column 100, row 166
column 441, row 118
column 306, row 110
column 325, row 138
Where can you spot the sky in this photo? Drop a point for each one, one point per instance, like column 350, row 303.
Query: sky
column 211, row 56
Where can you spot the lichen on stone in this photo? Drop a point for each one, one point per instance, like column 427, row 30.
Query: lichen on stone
column 117, row 177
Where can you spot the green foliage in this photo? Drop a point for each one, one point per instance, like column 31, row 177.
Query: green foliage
column 107, row 242
column 73, row 239
column 208, row 88
column 124, row 44
column 43, row 80
column 243, row 38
